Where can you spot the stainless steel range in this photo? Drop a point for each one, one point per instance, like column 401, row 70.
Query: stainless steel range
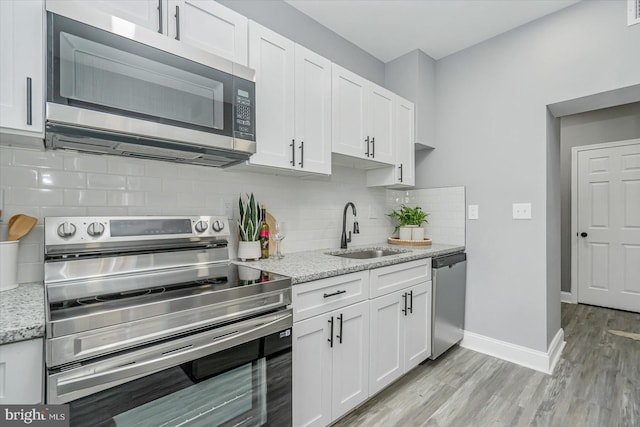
column 148, row 323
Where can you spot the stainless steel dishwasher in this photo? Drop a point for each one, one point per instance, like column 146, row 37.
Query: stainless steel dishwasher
column 449, row 275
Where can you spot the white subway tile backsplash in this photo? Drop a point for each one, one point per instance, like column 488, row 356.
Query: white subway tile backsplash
column 123, row 166
column 157, row 199
column 85, row 197
column 95, row 164
column 125, row 198
column 106, row 211
column 38, row 159
column 53, row 178
column 143, row 183
column 174, row 185
column 106, row 182
column 30, row 253
column 34, row 196
column 6, row 156
column 22, row 177
column 63, row 211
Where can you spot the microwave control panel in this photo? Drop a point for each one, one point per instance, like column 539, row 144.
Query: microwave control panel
column 244, row 117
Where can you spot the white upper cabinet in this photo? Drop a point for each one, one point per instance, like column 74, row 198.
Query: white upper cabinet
column 209, row 26
column 22, row 72
column 402, row 173
column 146, row 13
column 381, row 125
column 293, row 90
column 349, row 97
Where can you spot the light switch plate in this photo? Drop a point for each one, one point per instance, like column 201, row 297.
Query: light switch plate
column 473, row 212
column 522, row 211
column 228, row 207
column 373, row 212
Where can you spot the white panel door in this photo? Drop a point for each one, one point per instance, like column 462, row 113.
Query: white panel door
column 147, row 13
column 350, row 358
column 272, row 56
column 312, row 111
column 387, row 340
column 381, row 125
column 210, row 26
column 404, row 142
column 349, row 115
column 418, row 325
column 312, row 372
column 609, row 227
column 22, row 66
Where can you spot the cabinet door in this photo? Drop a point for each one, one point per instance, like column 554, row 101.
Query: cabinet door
column 350, row 358
column 272, row 56
column 404, row 142
column 387, row 340
column 22, row 67
column 147, row 13
column 312, row 111
column 380, row 126
column 312, row 372
column 21, row 370
column 418, row 325
column 350, row 95
column 210, row 26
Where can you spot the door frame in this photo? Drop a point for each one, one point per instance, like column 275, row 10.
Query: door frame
column 573, row 295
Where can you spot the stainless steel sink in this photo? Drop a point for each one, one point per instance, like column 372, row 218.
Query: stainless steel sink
column 367, row 253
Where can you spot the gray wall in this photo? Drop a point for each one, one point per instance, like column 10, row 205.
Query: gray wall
column 295, row 25
column 553, row 261
column 594, row 127
column 492, row 136
column 413, row 76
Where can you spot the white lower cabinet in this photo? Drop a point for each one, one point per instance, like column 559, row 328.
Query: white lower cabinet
column 21, row 370
column 330, row 365
column 400, row 334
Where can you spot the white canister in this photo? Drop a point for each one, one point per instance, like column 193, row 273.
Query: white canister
column 417, row 233
column 9, row 265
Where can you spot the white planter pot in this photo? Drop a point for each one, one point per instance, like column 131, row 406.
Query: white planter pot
column 405, row 232
column 417, row 233
column 248, row 250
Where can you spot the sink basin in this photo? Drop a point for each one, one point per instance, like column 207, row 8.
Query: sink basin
column 367, row 253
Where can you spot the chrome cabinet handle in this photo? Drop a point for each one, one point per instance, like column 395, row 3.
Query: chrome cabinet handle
column 177, row 15
column 373, row 147
column 301, row 154
column 331, row 333
column 334, row 294
column 293, row 152
column 340, row 336
column 160, row 16
column 400, row 172
column 367, row 141
column 29, row 103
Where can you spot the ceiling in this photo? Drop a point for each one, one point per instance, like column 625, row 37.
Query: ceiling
column 388, row 29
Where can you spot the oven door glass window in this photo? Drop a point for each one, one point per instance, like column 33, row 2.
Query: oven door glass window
column 98, row 70
column 247, row 385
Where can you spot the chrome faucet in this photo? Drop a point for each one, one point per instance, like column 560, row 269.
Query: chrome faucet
column 356, row 228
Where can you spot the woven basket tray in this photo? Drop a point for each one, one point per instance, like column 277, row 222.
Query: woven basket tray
column 396, row 241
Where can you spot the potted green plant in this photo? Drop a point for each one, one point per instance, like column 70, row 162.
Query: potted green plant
column 248, row 228
column 409, row 222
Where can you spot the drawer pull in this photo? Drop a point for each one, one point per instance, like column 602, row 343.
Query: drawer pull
column 333, row 294
column 330, row 339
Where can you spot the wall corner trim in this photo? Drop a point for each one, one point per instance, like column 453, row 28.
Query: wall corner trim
column 523, row 356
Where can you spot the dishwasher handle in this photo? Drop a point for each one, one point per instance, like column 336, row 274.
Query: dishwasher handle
column 448, row 260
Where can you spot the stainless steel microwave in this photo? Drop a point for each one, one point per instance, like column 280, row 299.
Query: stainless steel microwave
column 114, row 87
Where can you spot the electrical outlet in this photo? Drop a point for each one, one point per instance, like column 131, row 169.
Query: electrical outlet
column 373, row 212
column 228, row 207
column 473, row 212
column 522, row 211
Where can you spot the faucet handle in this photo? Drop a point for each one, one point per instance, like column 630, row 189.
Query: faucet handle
column 356, row 227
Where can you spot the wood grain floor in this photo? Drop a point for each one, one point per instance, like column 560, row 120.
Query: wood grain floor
column 596, row 383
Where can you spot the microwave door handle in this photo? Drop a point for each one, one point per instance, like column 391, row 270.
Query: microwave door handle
column 177, row 15
column 171, row 357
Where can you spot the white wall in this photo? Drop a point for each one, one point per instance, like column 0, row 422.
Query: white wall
column 492, row 137
column 594, row 127
column 58, row 183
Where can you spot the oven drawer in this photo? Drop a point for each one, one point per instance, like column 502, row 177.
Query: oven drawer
column 321, row 296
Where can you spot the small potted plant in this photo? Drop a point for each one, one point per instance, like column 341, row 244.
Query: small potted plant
column 248, row 228
column 410, row 222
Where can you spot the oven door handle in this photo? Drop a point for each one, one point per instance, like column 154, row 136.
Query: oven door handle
column 72, row 384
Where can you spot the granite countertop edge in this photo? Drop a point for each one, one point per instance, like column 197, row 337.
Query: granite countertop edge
column 22, row 313
column 308, row 266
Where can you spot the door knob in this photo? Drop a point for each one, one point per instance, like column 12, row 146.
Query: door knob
column 583, row 234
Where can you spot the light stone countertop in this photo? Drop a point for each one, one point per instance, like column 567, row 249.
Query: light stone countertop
column 22, row 313
column 313, row 265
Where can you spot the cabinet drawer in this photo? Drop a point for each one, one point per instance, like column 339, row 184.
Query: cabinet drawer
column 399, row 276
column 320, row 296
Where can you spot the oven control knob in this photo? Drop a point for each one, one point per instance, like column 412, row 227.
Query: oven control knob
column 201, row 226
column 66, row 229
column 218, row 226
column 95, row 229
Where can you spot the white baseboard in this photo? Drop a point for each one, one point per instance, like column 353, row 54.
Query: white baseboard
column 568, row 297
column 524, row 356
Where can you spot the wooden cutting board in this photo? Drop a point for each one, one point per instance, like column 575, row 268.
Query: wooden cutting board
column 271, row 221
